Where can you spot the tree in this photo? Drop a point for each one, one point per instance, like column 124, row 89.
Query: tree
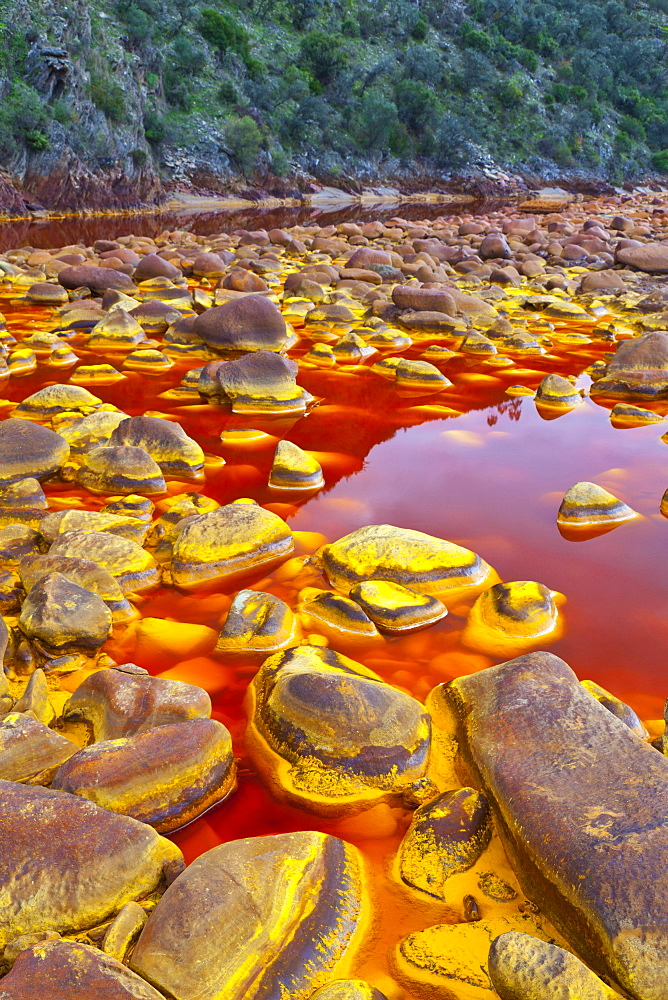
column 244, row 141
column 324, row 55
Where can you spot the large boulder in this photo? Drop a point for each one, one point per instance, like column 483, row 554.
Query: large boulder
column 29, row 450
column 639, row 369
column 250, row 323
column 98, row 279
column 649, row 257
column 67, row 865
column 552, row 759
column 255, row 919
column 259, row 383
column 165, row 441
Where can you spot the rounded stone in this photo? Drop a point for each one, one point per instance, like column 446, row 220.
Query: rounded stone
column 555, row 392
column 121, row 469
column 65, row 616
column 85, row 573
column 98, row 279
column 627, row 415
column 523, row 967
column 23, row 502
column 336, row 617
column 118, row 329
column 44, row 293
column 132, row 567
column 251, row 323
column 154, row 266
column 165, row 441
column 588, row 504
column 92, row 431
column 419, row 377
column 394, row 608
column 522, row 609
column 261, row 382
column 29, row 450
column 55, row 399
column 400, row 555
column 294, row 469
column 165, row 777
column 348, row 989
column 424, row 299
column 257, row 626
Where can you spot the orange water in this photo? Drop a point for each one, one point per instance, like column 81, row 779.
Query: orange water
column 490, row 479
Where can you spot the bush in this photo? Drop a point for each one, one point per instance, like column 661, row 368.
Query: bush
column 454, row 147
column 510, row 92
column 62, row 112
column 228, row 93
column 324, row 55
column 423, row 63
column 108, row 97
column 579, row 94
column 138, row 23
column 377, row 121
column 154, row 127
column 420, row 29
column 561, row 93
column 475, row 38
column 37, row 141
column 418, row 107
column 660, row 161
column 528, row 59
column 223, row 32
column 632, row 127
column 139, row 157
column 244, row 141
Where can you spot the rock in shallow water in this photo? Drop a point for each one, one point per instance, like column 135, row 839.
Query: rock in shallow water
column 165, row 441
column 257, row 625
column 329, row 736
column 393, row 608
column 251, row 323
column 523, row 967
column 256, row 383
column 551, row 758
column 256, row 919
column 348, row 989
column 65, row 616
column 587, row 504
column 165, row 777
column 67, row 865
column 121, row 469
column 131, row 566
column 638, row 369
column 29, row 450
column 30, row 752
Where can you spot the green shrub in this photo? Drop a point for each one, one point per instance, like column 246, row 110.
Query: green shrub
column 108, row 97
column 37, row 141
column 280, row 162
column 154, row 127
column 660, row 161
column 228, row 93
column 323, row 54
column 528, row 59
column 376, row 122
column 561, row 93
column 510, row 92
column 579, row 94
column 418, row 107
column 244, row 141
column 62, row 112
column 350, row 27
column 223, row 32
column 632, row 127
column 475, row 38
column 420, row 29
column 138, row 23
column 139, row 157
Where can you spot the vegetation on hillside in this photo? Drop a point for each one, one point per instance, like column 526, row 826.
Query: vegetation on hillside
column 340, row 86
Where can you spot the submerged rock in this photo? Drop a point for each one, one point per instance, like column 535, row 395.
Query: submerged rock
column 446, row 836
column 22, row 502
column 56, row 399
column 410, row 558
column 228, row 542
column 552, row 758
column 618, row 708
column 66, row 970
column 44, row 833
column 419, row 377
column 290, row 905
column 165, row 777
column 627, row 415
column 639, row 368
column 522, row 609
column 329, row 736
column 523, row 967
column 28, row 450
column 122, row 701
column 84, row 573
column 557, row 393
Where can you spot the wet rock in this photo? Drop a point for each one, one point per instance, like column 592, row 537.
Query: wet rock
column 124, row 930
column 552, row 758
column 30, row 752
column 557, row 393
column 329, row 736
column 133, row 568
column 122, row 701
column 338, row 618
column 523, row 967
column 153, row 266
column 92, row 431
column 55, row 399
column 419, row 377
column 98, row 279
column 446, row 836
column 43, row 293
column 118, row 330
column 393, row 608
column 494, row 246
column 165, row 441
column 291, row 904
column 352, row 349
column 84, row 573
column 121, row 469
column 495, row 888
column 35, row 698
column 155, row 317
column 587, row 504
column 620, row 709
column 17, row 541
column 638, row 368
column 211, row 265
column 251, row 323
column 256, row 383
column 348, row 989
column 92, row 520
column 321, row 355
column 627, row 415
column 62, row 615
column 41, row 836
column 228, row 542
column 294, row 469
column 65, row 970
column 28, row 450
column 165, row 777
column 602, row 281
column 424, row 299
column 22, row 502
column 241, row 280
column 522, row 609
column 478, row 344
column 257, row 625
column 410, row 558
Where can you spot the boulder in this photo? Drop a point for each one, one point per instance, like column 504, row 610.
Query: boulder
column 23, row 502
column 98, row 279
column 64, row 616
column 551, row 758
column 153, row 266
column 394, row 609
column 257, row 625
column 165, row 777
column 30, row 752
column 649, row 257
column 165, row 441
column 261, row 383
column 251, row 323
column 557, row 393
column 55, row 399
column 132, row 567
column 294, row 469
column 639, row 368
column 586, row 504
column 108, row 860
column 29, row 450
column 523, row 967
column 92, row 431
column 430, row 299
column 121, row 701
column 85, row 573
column 330, row 737
column 257, row 918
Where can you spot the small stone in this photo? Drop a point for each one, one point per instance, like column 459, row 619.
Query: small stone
column 329, row 736
column 522, row 609
column 394, row 608
column 17, row 541
column 336, row 617
column 155, row 317
column 121, row 469
column 410, row 558
column 30, row 752
column 627, row 415
column 66, row 970
column 424, row 299
column 151, row 361
column 294, row 469
column 351, row 349
column 92, row 431
column 84, row 573
column 165, row 441
column 165, row 777
column 293, row 900
column 261, row 382
column 125, row 700
column 133, row 506
column 41, row 836
column 251, row 323
column 229, row 542
column 495, row 888
column 257, row 626
column 587, row 504
column 478, row 344
column 419, row 377
column 154, row 266
column 557, row 393
column 92, row 520
column 43, row 293
column 28, row 450
column 523, row 967
column 446, row 837
column 22, row 502
column 348, row 989
column 123, row 931
column 55, row 399
column 132, row 567
column 321, row 355
column 62, row 615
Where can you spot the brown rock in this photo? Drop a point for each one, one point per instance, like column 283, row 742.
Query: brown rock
column 242, row 280
column 29, row 450
column 98, row 279
column 424, row 299
column 649, row 257
column 30, row 752
column 153, row 266
column 61, row 614
column 251, row 323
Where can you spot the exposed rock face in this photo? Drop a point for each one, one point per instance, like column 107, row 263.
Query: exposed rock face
column 329, row 736
column 44, row 834
column 552, row 758
column 265, row 917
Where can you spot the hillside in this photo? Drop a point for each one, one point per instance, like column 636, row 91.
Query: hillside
column 114, row 102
